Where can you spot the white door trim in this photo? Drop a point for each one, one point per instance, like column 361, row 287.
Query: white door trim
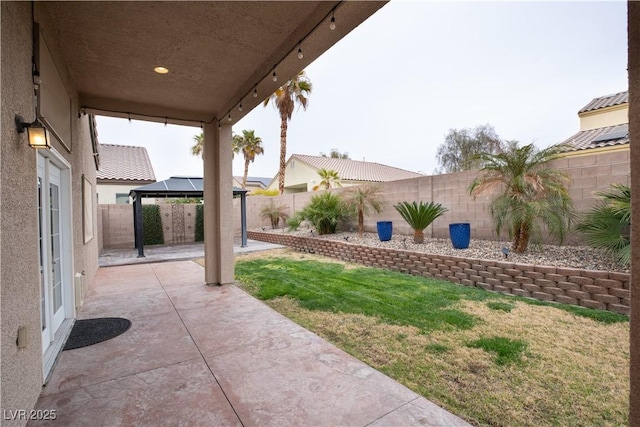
column 58, row 337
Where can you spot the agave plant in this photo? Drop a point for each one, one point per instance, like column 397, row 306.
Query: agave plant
column 419, row 216
column 274, row 213
column 608, row 224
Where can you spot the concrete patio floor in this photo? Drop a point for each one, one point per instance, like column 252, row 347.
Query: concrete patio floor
column 161, row 253
column 208, row 356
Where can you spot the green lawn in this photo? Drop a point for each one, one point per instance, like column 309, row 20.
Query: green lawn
column 489, row 358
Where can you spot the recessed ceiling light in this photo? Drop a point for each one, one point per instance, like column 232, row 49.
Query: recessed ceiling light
column 161, row 70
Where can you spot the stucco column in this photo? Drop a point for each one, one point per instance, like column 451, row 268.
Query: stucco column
column 218, row 205
column 634, row 136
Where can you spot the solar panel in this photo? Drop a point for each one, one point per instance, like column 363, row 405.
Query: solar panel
column 617, row 132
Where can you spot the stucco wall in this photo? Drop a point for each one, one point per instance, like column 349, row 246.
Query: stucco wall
column 81, row 159
column 19, row 275
column 22, row 369
column 598, row 119
column 587, row 173
column 107, row 193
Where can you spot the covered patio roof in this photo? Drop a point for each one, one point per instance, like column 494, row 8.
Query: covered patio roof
column 177, row 187
column 195, row 63
column 217, row 52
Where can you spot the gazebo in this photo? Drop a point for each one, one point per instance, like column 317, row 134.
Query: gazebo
column 177, row 187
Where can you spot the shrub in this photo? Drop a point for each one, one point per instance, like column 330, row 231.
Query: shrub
column 199, row 231
column 325, row 211
column 419, row 216
column 152, row 225
column 608, row 224
column 264, row 192
column 274, row 213
column 186, row 200
column 294, row 222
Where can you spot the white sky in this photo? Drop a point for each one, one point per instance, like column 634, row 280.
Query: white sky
column 391, row 89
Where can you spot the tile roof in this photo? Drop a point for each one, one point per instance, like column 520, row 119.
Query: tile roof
column 606, row 101
column 601, row 137
column 355, row 170
column 124, row 163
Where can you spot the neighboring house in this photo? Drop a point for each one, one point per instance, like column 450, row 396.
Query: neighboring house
column 604, row 126
column 122, row 168
column 253, row 182
column 301, row 172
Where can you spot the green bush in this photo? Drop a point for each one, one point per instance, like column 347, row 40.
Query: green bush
column 152, row 225
column 294, row 222
column 199, row 231
column 608, row 224
column 325, row 211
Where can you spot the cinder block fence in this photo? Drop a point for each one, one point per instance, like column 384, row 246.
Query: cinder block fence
column 604, row 290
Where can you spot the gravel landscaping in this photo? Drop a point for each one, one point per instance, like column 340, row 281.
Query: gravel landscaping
column 553, row 255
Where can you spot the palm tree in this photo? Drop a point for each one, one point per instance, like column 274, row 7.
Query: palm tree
column 329, row 178
column 336, row 154
column 236, row 144
column 608, row 224
column 274, row 213
column 362, row 200
column 251, row 146
column 196, row 150
column 419, row 216
column 285, row 98
column 532, row 193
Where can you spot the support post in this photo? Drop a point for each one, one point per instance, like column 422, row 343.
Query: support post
column 633, row 28
column 138, row 226
column 218, row 205
column 243, row 218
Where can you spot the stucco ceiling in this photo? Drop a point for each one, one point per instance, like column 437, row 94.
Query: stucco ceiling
column 216, row 52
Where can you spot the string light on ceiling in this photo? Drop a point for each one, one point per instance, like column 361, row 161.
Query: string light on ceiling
column 298, row 51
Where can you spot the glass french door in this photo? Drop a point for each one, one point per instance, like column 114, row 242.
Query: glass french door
column 50, row 245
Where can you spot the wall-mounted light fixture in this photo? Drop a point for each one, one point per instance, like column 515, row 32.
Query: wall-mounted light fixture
column 38, row 134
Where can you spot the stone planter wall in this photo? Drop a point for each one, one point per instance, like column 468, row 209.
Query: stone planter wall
column 604, row 290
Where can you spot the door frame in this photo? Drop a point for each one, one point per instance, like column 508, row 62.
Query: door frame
column 59, row 336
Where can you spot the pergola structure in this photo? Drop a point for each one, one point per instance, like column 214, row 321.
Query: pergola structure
column 177, row 187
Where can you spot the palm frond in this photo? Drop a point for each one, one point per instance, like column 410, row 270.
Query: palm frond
column 607, row 225
column 532, row 193
column 419, row 216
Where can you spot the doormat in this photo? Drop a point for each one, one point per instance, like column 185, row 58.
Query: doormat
column 92, row 331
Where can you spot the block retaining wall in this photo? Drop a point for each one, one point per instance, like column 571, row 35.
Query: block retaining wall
column 604, row 290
